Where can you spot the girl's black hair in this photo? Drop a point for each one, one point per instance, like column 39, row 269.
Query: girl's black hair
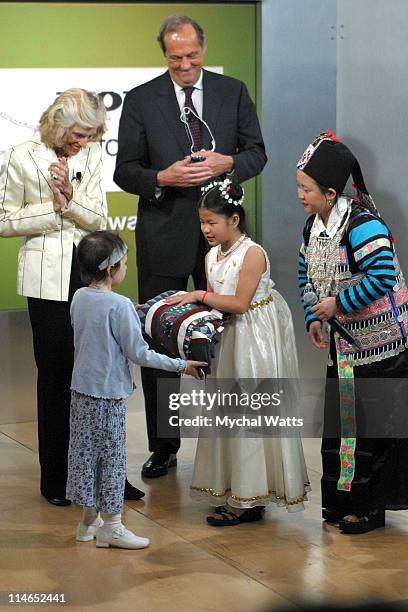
column 93, row 249
column 215, row 201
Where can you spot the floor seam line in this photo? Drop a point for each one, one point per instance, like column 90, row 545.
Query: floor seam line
column 33, row 450
column 225, row 560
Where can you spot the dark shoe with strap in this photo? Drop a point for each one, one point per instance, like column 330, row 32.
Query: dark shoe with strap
column 132, row 493
column 58, row 501
column 228, row 517
column 373, row 520
column 158, row 464
column 331, row 516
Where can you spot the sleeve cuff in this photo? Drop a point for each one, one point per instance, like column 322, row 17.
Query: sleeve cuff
column 181, row 366
column 309, row 322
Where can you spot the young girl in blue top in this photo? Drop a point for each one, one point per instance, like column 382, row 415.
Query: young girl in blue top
column 107, row 339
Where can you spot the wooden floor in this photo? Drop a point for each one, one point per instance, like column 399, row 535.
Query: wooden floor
column 288, row 559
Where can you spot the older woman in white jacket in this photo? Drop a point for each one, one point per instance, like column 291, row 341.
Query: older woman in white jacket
column 51, row 195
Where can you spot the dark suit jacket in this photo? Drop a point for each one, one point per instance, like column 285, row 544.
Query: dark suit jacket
column 152, row 137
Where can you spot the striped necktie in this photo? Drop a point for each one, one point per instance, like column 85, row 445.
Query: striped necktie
column 193, row 121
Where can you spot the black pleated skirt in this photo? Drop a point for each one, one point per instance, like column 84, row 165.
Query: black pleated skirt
column 381, row 462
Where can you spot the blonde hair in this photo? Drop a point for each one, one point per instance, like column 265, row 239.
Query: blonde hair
column 70, row 107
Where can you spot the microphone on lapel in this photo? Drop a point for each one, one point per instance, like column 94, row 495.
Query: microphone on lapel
column 77, row 176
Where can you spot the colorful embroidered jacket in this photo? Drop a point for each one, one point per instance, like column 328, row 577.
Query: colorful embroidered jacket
column 371, row 295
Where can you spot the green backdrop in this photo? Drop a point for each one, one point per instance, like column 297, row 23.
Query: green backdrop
column 111, row 35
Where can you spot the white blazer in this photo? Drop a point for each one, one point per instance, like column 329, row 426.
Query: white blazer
column 26, row 209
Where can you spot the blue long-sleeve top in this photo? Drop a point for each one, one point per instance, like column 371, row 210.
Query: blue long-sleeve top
column 369, row 250
column 108, row 339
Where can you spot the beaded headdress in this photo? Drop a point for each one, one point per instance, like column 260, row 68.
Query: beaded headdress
column 224, row 187
column 329, row 162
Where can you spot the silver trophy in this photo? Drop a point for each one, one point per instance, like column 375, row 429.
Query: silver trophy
column 185, row 112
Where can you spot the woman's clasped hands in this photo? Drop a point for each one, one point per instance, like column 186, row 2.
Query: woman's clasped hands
column 60, row 184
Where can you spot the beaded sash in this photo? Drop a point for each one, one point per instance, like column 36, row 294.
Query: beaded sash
column 347, row 420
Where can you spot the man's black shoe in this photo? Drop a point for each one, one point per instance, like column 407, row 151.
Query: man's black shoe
column 158, row 464
column 58, row 501
column 132, row 493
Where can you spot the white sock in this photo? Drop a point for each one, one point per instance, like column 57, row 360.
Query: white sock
column 89, row 515
column 112, row 520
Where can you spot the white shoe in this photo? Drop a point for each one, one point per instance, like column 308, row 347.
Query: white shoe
column 86, row 533
column 121, row 538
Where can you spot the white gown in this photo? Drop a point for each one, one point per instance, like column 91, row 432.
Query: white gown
column 247, row 472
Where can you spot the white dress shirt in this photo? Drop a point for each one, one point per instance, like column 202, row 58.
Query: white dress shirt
column 197, row 95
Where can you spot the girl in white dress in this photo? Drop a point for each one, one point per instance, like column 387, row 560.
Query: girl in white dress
column 245, row 474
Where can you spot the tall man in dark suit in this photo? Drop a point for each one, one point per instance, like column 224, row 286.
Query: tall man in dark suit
column 154, row 162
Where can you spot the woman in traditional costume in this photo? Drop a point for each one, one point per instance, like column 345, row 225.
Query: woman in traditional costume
column 348, row 269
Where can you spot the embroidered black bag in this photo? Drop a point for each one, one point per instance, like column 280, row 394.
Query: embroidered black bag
column 189, row 331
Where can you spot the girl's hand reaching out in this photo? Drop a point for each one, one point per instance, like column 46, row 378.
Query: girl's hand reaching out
column 185, row 298
column 192, row 368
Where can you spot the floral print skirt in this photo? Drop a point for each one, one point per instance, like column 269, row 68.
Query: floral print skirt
column 97, row 452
